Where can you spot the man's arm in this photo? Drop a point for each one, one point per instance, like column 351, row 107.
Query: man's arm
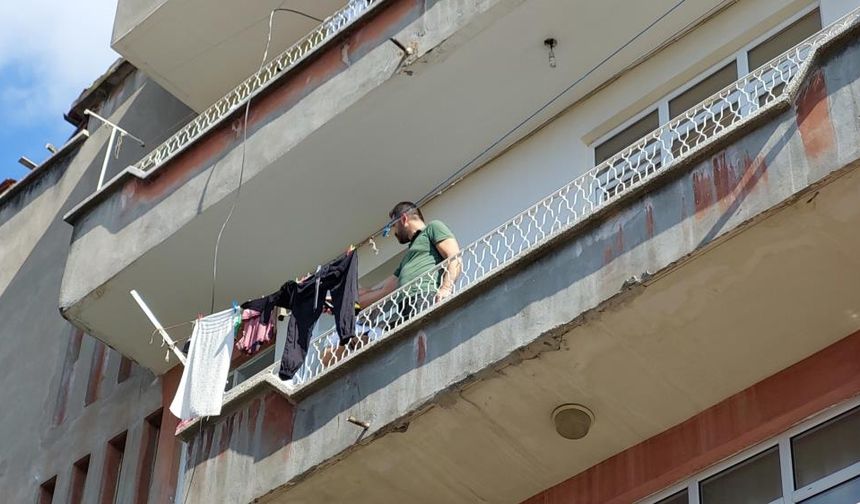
column 449, row 248
column 366, row 297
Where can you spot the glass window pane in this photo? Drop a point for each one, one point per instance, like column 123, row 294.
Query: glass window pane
column 679, row 498
column 753, row 481
column 827, row 448
column 848, row 492
column 784, row 40
column 707, row 87
column 626, row 137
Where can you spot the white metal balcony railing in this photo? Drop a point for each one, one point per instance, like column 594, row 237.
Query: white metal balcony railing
column 655, row 153
column 237, row 98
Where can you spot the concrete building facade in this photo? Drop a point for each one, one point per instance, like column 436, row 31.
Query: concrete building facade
column 657, row 212
column 82, row 422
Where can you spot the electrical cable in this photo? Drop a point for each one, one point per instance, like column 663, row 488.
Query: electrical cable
column 244, row 149
column 238, row 191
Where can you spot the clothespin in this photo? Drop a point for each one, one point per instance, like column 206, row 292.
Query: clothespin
column 373, row 246
column 317, row 286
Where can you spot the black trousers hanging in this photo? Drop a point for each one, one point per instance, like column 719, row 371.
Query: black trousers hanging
column 305, row 301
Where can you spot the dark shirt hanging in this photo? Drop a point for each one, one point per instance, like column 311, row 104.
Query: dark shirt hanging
column 305, row 300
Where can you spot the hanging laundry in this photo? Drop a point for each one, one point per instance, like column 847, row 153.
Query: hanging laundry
column 201, row 388
column 306, row 299
column 258, row 325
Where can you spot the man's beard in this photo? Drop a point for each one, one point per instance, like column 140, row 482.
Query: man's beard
column 401, row 236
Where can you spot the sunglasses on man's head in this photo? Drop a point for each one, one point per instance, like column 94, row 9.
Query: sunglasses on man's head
column 387, row 229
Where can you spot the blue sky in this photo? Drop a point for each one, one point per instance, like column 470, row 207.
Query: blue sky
column 50, row 50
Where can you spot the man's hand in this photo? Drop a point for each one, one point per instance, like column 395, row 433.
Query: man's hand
column 366, row 297
column 442, row 293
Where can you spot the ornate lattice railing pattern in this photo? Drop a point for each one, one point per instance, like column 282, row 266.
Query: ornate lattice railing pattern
column 239, row 95
column 657, row 152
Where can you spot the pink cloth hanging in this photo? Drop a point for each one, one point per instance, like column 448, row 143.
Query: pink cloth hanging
column 254, row 333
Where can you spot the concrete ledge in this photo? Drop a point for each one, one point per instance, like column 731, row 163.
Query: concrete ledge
column 235, row 397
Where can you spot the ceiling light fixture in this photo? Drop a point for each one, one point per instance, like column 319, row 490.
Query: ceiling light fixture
column 572, row 421
column 550, row 43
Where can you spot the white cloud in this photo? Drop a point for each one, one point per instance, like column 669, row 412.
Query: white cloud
column 54, row 49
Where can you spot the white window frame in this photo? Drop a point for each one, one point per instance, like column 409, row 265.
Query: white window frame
column 783, row 441
column 740, row 57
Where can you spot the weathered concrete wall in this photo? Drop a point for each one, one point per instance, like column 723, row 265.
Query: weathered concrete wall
column 66, row 395
column 518, row 312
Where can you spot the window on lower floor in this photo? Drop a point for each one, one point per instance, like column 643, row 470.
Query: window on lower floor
column 125, row 367
column 822, row 466
column 114, row 453
column 46, row 491
column 679, row 498
column 753, row 481
column 826, row 449
column 848, row 492
column 80, row 469
column 148, row 453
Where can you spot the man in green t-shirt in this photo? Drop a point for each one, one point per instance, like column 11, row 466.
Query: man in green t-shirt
column 428, row 245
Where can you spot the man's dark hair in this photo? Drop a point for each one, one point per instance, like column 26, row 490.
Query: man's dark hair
column 405, row 207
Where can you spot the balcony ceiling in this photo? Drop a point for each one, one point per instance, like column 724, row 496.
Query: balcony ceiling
column 397, row 142
column 200, row 49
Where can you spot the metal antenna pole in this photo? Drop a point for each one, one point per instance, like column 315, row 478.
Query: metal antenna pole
column 114, row 130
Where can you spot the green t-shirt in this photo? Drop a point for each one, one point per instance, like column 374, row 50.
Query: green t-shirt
column 421, row 256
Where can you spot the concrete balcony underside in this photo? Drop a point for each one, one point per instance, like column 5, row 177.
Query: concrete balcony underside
column 346, row 133
column 732, row 267
column 199, row 61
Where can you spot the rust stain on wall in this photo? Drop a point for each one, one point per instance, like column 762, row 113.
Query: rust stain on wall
column 607, row 255
column 277, row 423
column 261, row 428
column 421, row 348
column 813, row 117
column 649, row 220
column 735, row 178
column 702, row 196
column 725, row 177
column 744, row 419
